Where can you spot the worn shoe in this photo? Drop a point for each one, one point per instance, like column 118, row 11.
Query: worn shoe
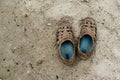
column 87, row 38
column 65, row 41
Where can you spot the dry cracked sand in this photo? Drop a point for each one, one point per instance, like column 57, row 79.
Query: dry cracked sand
column 27, row 39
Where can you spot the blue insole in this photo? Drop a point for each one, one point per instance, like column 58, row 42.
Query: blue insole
column 86, row 44
column 67, row 50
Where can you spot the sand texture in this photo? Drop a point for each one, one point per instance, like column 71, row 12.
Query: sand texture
column 27, row 39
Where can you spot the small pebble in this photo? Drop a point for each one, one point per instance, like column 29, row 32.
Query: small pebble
column 57, row 76
column 8, row 70
column 3, row 59
column 49, row 24
column 71, row 0
column 1, row 79
column 26, row 15
column 85, row 1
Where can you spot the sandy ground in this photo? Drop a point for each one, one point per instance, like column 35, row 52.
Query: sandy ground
column 27, row 38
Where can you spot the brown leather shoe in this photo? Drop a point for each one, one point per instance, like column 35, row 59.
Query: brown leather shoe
column 87, row 38
column 65, row 41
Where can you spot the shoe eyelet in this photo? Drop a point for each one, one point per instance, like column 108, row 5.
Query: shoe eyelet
column 86, row 26
column 91, row 26
column 91, row 23
column 57, row 39
column 86, row 22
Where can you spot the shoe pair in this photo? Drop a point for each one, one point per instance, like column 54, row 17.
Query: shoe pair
column 86, row 42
